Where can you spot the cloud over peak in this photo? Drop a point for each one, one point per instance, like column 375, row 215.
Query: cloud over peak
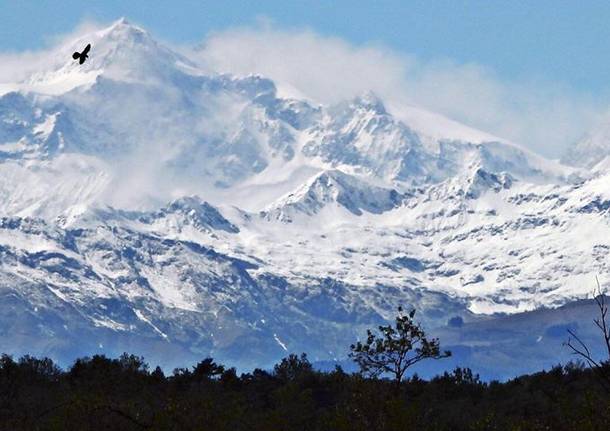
column 545, row 116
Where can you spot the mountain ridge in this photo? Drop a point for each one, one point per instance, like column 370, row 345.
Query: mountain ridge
column 203, row 213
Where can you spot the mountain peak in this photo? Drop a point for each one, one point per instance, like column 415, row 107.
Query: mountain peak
column 121, row 21
column 352, row 193
column 196, row 212
column 371, row 102
column 124, row 30
column 591, row 149
column 120, row 51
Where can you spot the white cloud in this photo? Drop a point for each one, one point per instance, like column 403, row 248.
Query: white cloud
column 16, row 66
column 324, row 68
column 543, row 116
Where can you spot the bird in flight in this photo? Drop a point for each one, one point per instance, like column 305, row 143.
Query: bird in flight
column 82, row 56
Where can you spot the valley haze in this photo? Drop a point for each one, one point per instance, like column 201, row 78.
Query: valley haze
column 152, row 204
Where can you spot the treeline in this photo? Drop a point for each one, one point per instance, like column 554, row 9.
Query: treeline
column 100, row 393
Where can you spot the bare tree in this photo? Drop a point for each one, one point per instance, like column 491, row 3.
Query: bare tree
column 579, row 348
column 396, row 348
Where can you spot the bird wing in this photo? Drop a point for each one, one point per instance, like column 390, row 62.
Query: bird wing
column 87, row 48
column 75, row 55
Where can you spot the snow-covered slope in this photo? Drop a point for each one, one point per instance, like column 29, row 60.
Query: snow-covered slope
column 121, row 51
column 334, row 186
column 149, row 205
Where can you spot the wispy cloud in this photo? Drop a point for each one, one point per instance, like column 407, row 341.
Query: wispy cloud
column 16, row 66
column 544, row 116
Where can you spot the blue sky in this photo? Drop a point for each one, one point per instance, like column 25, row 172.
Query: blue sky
column 565, row 41
column 534, row 72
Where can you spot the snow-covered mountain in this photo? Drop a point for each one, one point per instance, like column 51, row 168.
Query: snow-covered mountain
column 592, row 151
column 290, row 226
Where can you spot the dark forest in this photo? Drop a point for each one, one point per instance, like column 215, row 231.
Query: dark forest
column 99, row 393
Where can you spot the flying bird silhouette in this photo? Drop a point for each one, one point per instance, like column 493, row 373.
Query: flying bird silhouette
column 82, row 56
